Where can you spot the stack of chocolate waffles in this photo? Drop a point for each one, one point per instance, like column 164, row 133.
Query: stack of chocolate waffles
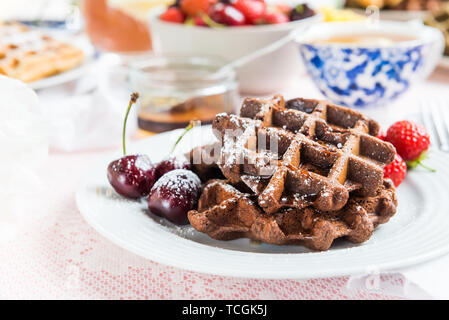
column 295, row 172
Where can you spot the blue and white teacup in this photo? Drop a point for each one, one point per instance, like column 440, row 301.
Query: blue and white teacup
column 364, row 73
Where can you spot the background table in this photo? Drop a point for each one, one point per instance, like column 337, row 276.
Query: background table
column 58, row 255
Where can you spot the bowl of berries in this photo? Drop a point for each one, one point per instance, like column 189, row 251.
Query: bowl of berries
column 232, row 29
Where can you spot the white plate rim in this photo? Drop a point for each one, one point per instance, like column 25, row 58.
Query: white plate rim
column 247, row 273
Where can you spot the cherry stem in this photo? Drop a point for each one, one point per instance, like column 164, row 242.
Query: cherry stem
column 133, row 99
column 187, row 129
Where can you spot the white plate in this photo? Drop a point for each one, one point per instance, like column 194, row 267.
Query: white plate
column 417, row 233
column 72, row 74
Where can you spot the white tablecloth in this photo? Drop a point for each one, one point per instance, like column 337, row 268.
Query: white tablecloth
column 55, row 254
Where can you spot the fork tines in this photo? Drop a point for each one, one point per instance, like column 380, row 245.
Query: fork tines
column 436, row 120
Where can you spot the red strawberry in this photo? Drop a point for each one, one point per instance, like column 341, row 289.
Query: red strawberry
column 173, row 14
column 276, row 17
column 411, row 141
column 253, row 10
column 396, row 170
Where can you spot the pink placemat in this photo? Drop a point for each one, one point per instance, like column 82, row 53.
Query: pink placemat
column 60, row 256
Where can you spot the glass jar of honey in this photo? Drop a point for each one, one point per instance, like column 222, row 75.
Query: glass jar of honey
column 175, row 89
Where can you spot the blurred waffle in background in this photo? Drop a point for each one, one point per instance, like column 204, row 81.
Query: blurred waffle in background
column 440, row 19
column 409, row 5
column 29, row 55
column 331, row 14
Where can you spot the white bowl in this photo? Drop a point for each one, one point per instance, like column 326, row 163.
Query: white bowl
column 265, row 74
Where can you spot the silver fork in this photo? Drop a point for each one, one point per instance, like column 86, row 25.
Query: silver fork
column 435, row 116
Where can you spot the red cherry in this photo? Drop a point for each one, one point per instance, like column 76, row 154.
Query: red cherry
column 170, row 164
column 175, row 194
column 132, row 176
column 226, row 14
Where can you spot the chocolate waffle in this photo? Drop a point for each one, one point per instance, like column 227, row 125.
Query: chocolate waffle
column 225, row 213
column 301, row 153
column 204, row 161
